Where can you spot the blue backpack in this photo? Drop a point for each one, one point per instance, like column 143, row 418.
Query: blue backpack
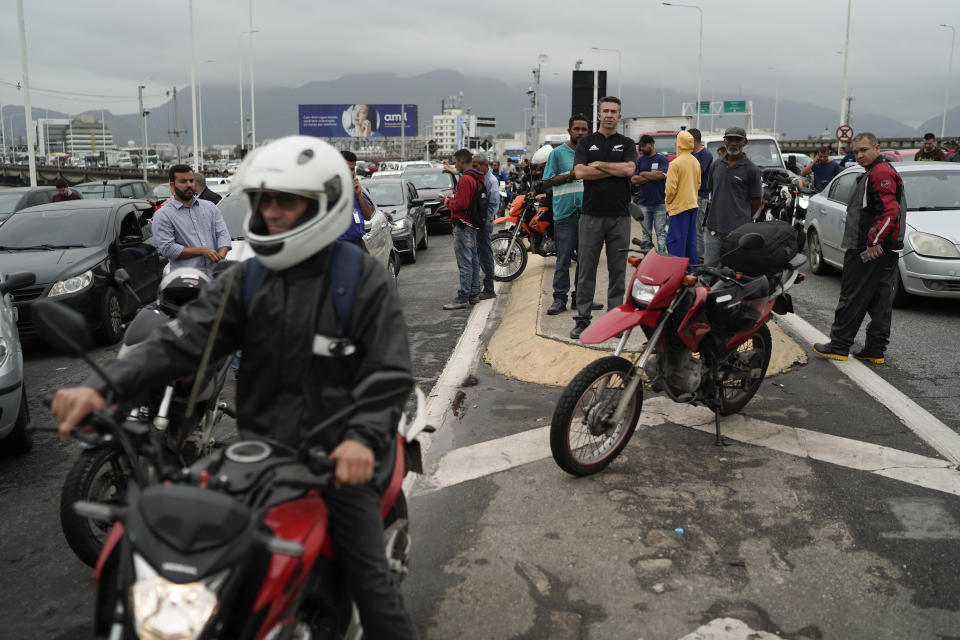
column 344, row 277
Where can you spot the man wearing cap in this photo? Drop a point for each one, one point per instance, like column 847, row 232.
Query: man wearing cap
column 650, row 178
column 736, row 194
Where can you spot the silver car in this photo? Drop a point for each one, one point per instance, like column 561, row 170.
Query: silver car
column 14, row 416
column 930, row 260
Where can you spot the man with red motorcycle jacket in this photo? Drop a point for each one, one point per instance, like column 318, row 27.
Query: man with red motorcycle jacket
column 872, row 236
column 299, row 365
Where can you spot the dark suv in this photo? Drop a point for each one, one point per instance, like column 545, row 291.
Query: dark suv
column 115, row 189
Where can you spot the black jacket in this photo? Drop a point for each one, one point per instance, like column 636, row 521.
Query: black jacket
column 212, row 196
column 285, row 388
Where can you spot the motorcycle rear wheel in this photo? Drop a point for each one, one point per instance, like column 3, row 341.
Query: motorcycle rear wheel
column 583, row 440
column 751, row 355
column 98, row 475
column 507, row 268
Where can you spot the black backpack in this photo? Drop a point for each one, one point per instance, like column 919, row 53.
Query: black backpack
column 477, row 211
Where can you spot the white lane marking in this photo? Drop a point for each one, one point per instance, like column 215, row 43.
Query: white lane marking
column 458, row 367
column 921, row 519
column 728, row 629
column 942, row 438
column 493, row 456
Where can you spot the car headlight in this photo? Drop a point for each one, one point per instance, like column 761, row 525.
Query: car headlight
column 4, row 351
column 166, row 610
column 931, row 246
column 643, row 294
column 71, row 285
column 398, row 225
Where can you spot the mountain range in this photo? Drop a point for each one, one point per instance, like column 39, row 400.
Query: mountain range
column 485, row 96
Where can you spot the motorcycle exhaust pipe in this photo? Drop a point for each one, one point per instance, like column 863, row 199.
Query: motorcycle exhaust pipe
column 161, row 422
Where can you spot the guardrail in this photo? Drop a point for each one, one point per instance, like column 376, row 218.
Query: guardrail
column 19, row 174
column 810, row 146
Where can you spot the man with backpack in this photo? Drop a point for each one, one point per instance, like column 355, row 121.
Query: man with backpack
column 314, row 317
column 468, row 212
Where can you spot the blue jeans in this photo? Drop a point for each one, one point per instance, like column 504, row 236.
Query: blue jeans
column 682, row 237
column 655, row 218
column 566, row 234
column 468, row 262
column 485, row 251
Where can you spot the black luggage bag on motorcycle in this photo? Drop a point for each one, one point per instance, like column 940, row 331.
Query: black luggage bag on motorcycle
column 779, row 247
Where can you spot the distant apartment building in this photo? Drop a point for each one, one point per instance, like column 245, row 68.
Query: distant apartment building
column 82, row 135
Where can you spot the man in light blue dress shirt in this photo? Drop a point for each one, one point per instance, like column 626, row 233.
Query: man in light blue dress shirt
column 190, row 232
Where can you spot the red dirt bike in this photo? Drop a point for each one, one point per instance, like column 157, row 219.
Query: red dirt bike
column 528, row 218
column 707, row 344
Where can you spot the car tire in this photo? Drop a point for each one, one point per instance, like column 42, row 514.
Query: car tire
column 815, row 254
column 901, row 298
column 423, row 241
column 111, row 318
column 20, row 440
column 393, row 267
column 409, row 257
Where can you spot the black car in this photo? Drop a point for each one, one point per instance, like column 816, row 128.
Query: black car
column 433, row 185
column 12, row 200
column 399, row 200
column 75, row 249
column 115, row 189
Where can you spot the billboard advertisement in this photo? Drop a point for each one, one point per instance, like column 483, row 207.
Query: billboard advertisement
column 357, row 120
column 466, row 128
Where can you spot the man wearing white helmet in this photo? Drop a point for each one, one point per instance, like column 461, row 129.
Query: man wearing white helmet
column 300, row 364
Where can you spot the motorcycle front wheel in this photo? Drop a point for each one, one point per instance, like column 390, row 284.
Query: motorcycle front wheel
column 99, row 475
column 507, row 268
column 583, row 437
column 744, row 370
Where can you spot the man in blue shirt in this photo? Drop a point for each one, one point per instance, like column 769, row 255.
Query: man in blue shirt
column 567, row 202
column 484, row 249
column 705, row 158
column 651, row 175
column 824, row 169
column 190, row 232
column 362, row 206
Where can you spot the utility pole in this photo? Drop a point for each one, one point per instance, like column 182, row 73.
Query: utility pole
column 143, row 130
column 3, row 136
column 253, row 103
column 193, row 93
column 28, row 112
column 176, row 125
column 843, row 90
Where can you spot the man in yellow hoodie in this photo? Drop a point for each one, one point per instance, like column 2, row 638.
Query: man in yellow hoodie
column 683, row 182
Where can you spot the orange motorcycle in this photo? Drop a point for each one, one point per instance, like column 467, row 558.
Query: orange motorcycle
column 530, row 219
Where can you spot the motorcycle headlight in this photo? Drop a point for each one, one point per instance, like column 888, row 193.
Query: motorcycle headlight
column 931, row 246
column 165, row 610
column 71, row 285
column 803, row 201
column 642, row 294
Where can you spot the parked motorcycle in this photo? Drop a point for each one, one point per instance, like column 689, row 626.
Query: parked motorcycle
column 529, row 219
column 103, row 473
column 785, row 198
column 236, row 545
column 707, row 344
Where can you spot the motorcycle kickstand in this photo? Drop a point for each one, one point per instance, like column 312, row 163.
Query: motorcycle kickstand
column 720, row 440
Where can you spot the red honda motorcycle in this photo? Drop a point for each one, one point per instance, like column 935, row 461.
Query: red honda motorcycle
column 236, row 545
column 707, row 344
column 528, row 218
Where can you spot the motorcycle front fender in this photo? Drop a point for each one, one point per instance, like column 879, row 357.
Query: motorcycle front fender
column 616, row 321
column 512, row 219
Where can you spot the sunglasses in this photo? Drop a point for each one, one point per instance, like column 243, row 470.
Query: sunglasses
column 284, row 200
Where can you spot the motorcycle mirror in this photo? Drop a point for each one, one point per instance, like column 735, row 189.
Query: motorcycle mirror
column 122, row 276
column 63, row 328
column 751, row 241
column 17, row 280
column 383, row 389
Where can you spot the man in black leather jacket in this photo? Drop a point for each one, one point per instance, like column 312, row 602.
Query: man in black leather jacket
column 299, row 365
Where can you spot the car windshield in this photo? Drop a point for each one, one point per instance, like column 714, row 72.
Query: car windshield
column 763, row 153
column 97, row 190
column 417, row 165
column 666, row 145
column 234, row 210
column 438, row 180
column 9, row 200
column 929, row 190
column 385, row 194
column 54, row 228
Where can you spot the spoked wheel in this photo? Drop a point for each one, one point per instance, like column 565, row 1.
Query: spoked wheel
column 744, row 370
column 584, row 439
column 507, row 268
column 98, row 475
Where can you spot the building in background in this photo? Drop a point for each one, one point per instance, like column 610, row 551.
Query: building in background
column 80, row 136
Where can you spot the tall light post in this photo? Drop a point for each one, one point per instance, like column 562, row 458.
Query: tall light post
column 776, row 101
column 619, row 68
column 946, row 85
column 27, row 110
column 143, row 130
column 193, row 89
column 253, row 103
column 843, row 83
column 535, row 115
column 699, row 54
column 200, row 109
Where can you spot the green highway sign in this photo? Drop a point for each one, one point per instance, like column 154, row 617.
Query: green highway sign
column 705, row 106
column 734, row 106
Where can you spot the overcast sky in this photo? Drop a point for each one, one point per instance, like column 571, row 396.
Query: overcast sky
column 897, row 67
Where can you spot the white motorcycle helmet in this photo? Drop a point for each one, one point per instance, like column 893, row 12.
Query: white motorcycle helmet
column 307, row 167
column 541, row 155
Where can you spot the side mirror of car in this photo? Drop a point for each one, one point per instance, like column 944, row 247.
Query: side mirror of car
column 17, row 280
column 417, row 202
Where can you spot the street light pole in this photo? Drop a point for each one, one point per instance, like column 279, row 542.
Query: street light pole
column 619, row 68
column 193, row 90
column 27, row 110
column 776, row 101
column 253, row 105
column 699, row 54
column 143, row 130
column 946, row 85
column 843, row 89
